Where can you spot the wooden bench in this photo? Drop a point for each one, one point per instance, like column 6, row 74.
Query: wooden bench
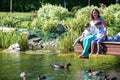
column 109, row 47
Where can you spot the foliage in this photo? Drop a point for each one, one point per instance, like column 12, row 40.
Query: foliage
column 109, row 18
column 37, row 23
column 113, row 8
column 117, row 17
column 32, row 5
column 49, row 16
column 65, row 42
column 111, row 15
column 48, row 26
column 85, row 11
column 26, row 24
column 9, row 38
column 9, row 21
column 53, row 12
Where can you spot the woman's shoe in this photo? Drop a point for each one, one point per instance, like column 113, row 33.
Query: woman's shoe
column 80, row 56
column 86, row 57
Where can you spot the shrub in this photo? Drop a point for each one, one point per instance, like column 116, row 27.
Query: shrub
column 113, row 8
column 37, row 23
column 65, row 42
column 9, row 21
column 26, row 24
column 54, row 12
column 50, row 26
column 117, row 17
column 109, row 18
column 85, row 11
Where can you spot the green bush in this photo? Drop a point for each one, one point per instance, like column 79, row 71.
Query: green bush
column 111, row 15
column 65, row 42
column 9, row 21
column 54, row 12
column 85, row 11
column 109, row 18
column 16, row 22
column 113, row 8
column 50, row 26
column 48, row 18
column 26, row 24
column 117, row 17
column 37, row 23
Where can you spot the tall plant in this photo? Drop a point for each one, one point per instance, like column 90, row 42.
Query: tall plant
column 9, row 38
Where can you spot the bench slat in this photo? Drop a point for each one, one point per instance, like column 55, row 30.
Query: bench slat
column 112, row 48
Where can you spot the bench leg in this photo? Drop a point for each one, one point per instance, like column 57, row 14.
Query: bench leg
column 93, row 48
column 96, row 48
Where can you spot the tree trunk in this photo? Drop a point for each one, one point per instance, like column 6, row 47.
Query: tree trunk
column 10, row 5
column 117, row 1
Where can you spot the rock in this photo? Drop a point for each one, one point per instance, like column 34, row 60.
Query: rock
column 31, row 35
column 11, row 51
column 37, row 39
column 15, row 47
column 61, row 28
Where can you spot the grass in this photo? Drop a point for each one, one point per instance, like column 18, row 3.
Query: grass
column 16, row 14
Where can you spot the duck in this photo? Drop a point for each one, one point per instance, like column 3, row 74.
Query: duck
column 41, row 77
column 110, row 78
column 94, row 73
column 23, row 75
column 59, row 66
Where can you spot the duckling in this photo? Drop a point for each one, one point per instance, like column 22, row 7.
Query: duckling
column 40, row 77
column 23, row 75
column 59, row 66
column 94, row 73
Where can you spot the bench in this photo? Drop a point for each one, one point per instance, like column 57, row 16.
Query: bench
column 109, row 47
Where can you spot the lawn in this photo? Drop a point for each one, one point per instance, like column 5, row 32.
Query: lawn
column 16, row 14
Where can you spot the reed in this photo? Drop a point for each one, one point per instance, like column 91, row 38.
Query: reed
column 9, row 38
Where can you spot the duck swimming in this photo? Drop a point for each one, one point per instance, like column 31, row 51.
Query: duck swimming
column 23, row 75
column 59, row 66
column 94, row 73
column 40, row 77
column 110, row 78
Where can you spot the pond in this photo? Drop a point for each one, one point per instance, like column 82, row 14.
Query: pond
column 11, row 65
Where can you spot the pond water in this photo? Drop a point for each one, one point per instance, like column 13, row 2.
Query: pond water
column 11, row 65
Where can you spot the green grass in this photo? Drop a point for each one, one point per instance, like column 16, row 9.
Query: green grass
column 16, row 14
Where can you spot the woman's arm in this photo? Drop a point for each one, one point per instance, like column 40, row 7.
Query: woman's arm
column 102, row 36
column 104, row 25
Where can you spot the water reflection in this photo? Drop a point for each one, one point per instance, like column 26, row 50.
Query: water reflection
column 36, row 64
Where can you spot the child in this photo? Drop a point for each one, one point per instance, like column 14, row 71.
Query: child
column 86, row 32
column 101, row 33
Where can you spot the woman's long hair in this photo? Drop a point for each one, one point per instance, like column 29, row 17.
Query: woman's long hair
column 91, row 14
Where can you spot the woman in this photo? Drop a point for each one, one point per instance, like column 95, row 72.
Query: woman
column 94, row 16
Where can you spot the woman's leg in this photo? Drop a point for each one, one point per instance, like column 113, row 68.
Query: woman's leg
column 87, row 43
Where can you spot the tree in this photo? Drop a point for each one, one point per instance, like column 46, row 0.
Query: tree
column 88, row 2
column 11, row 6
column 117, row 1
